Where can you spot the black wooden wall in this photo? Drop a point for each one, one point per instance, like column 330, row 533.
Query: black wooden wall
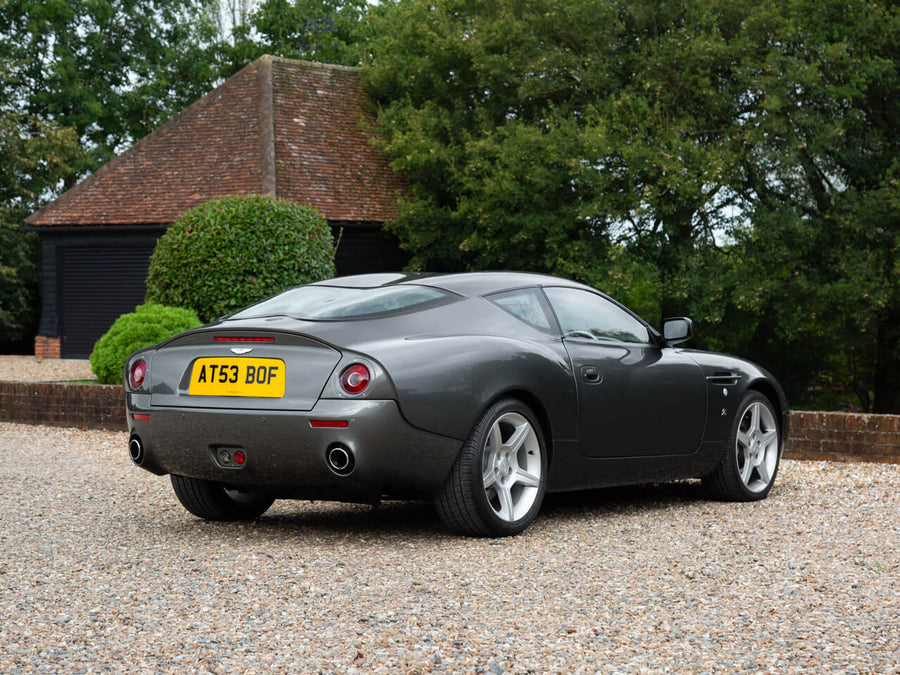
column 89, row 277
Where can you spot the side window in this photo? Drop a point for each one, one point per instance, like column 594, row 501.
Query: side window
column 526, row 304
column 586, row 315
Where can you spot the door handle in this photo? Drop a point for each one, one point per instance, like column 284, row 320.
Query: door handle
column 591, row 374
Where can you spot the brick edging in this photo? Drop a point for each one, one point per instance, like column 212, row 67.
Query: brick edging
column 844, row 437
column 64, row 404
column 834, row 436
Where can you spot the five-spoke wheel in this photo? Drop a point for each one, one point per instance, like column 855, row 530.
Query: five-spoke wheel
column 497, row 484
column 512, row 466
column 757, row 447
column 748, row 467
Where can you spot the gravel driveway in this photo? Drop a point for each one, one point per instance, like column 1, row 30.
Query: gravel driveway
column 31, row 369
column 102, row 571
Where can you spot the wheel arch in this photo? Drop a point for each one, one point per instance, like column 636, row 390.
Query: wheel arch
column 444, row 383
column 537, row 407
column 769, row 390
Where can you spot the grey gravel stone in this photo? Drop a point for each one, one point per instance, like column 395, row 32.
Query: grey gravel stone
column 101, row 570
column 30, row 369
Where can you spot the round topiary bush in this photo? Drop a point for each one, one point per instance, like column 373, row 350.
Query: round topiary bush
column 228, row 253
column 147, row 325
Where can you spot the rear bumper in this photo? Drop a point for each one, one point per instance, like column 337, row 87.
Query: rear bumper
column 285, row 455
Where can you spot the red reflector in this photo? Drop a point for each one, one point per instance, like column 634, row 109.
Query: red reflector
column 239, row 457
column 329, row 424
column 140, row 416
column 223, row 338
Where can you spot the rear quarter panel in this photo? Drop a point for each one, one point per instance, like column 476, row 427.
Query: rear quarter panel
column 448, row 370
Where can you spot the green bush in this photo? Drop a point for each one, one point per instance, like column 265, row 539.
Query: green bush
column 147, row 325
column 228, row 253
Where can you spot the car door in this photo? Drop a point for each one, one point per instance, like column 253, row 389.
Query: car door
column 635, row 397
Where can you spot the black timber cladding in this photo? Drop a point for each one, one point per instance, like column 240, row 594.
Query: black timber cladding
column 90, row 277
column 101, row 284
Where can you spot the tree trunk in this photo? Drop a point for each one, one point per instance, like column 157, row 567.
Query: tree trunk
column 887, row 366
column 676, row 252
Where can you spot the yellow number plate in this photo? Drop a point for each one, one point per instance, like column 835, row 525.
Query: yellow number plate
column 238, row 377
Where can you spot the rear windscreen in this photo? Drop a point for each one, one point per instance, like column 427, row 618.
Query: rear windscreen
column 336, row 302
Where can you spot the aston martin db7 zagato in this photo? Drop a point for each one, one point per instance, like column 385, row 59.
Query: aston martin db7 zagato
column 478, row 391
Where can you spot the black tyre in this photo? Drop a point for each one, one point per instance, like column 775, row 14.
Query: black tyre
column 217, row 501
column 497, row 484
column 748, row 467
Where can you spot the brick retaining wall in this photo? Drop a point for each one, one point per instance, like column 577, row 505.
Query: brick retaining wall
column 843, row 437
column 63, row 404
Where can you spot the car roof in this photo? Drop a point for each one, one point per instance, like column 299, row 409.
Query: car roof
column 466, row 283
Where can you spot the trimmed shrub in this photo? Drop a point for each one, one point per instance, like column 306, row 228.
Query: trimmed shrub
column 229, row 253
column 146, row 326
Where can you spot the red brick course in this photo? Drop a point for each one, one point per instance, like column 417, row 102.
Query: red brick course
column 844, row 437
column 93, row 406
column 47, row 347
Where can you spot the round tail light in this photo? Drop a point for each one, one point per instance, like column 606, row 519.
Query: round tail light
column 138, row 373
column 355, row 378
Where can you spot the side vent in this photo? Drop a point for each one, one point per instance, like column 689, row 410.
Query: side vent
column 723, row 379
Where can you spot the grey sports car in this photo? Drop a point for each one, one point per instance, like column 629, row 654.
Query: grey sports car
column 478, row 391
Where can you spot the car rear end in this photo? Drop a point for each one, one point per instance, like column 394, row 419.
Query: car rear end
column 277, row 410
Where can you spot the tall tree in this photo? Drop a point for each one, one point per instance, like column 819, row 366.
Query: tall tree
column 79, row 81
column 327, row 31
column 112, row 70
column 487, row 108
column 35, row 156
column 745, row 151
column 825, row 206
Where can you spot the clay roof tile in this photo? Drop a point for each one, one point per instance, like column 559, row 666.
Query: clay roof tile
column 296, row 129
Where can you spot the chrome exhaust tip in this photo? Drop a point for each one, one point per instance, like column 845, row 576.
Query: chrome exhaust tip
column 136, row 450
column 340, row 460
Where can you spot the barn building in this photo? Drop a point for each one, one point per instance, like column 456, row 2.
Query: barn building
column 293, row 129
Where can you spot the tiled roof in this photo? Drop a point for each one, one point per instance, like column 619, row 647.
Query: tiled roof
column 279, row 126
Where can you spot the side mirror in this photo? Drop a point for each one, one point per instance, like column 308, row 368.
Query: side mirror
column 678, row 329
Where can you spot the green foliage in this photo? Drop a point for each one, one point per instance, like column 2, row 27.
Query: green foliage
column 80, row 80
column 112, row 71
column 733, row 160
column 813, row 288
column 19, row 277
column 479, row 111
column 35, row 156
column 228, row 253
column 327, row 31
column 146, row 326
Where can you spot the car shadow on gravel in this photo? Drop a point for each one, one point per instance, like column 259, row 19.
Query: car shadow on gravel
column 335, row 521
column 419, row 520
column 631, row 498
